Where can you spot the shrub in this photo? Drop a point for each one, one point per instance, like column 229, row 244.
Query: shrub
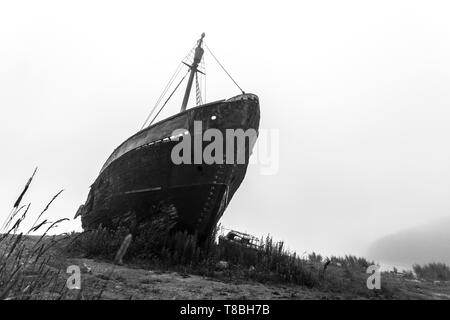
column 433, row 271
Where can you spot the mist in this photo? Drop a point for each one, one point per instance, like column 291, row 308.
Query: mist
column 359, row 97
column 421, row 244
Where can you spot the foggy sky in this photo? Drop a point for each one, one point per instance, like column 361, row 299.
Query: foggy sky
column 358, row 91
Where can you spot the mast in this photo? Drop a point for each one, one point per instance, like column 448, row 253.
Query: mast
column 197, row 58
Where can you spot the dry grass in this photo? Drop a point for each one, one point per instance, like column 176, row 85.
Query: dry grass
column 433, row 271
column 271, row 263
column 33, row 267
column 25, row 265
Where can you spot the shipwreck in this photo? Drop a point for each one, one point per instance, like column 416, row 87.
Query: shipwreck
column 140, row 183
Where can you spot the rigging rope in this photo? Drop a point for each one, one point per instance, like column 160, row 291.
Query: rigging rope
column 188, row 57
column 175, row 74
column 198, row 93
column 204, row 78
column 224, row 68
column 170, row 96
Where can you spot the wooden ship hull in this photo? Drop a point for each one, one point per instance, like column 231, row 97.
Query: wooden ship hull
column 139, row 181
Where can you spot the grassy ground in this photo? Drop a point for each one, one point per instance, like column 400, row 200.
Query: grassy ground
column 101, row 278
column 151, row 262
